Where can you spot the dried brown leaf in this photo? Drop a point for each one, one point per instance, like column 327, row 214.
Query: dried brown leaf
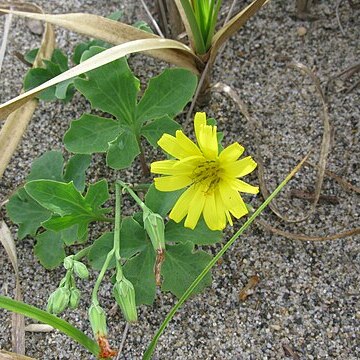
column 6, row 355
column 113, row 32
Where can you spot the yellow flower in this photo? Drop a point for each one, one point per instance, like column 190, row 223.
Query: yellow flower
column 211, row 178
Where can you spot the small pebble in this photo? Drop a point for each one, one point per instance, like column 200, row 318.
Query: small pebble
column 301, row 31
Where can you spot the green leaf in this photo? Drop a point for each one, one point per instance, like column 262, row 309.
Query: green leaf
column 91, row 134
column 167, row 94
column 48, row 166
column 132, row 238
column 31, row 55
column 69, row 206
column 140, row 271
column 123, row 150
column 65, row 90
column 57, row 65
column 161, row 202
column 75, row 170
column 116, row 15
column 100, row 249
column 26, row 212
column 142, row 25
column 82, row 47
column 156, row 128
column 69, row 235
column 111, row 88
column 201, row 235
column 97, row 193
column 181, row 267
column 60, row 198
column 49, row 249
column 44, row 317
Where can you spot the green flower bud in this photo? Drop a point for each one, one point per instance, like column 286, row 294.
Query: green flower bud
column 74, row 298
column 69, row 262
column 58, row 300
column 155, row 228
column 81, row 270
column 97, row 319
column 124, row 294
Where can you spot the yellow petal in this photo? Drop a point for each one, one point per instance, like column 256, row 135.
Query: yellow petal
column 239, row 168
column 207, row 141
column 199, row 121
column 170, row 145
column 242, row 186
column 210, row 214
column 232, row 200
column 182, row 205
column 171, row 183
column 188, row 146
column 164, row 167
column 231, row 153
column 196, row 207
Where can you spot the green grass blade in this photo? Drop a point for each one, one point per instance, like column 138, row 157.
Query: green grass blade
column 196, row 32
column 151, row 347
column 44, row 317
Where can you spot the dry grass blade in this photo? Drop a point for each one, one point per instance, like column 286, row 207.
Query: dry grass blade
column 17, row 122
column 18, row 322
column 293, row 236
column 5, row 355
column 153, row 21
column 7, row 26
column 113, row 32
column 233, row 26
column 94, row 62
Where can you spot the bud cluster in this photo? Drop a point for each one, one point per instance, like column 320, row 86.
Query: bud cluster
column 67, row 295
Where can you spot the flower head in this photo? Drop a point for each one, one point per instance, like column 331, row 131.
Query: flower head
column 212, row 179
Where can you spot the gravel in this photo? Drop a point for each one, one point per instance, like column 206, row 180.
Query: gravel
column 306, row 304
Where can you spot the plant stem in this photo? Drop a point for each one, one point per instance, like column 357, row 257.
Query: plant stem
column 94, row 298
column 151, row 348
column 132, row 193
column 117, row 221
column 82, row 253
column 144, row 167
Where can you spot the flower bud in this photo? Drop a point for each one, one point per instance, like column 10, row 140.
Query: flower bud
column 74, row 298
column 124, row 294
column 81, row 270
column 155, row 228
column 97, row 319
column 69, row 262
column 58, row 300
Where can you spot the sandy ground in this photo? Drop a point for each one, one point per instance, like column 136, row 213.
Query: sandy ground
column 306, row 305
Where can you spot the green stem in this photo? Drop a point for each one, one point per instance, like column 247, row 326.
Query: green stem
column 151, row 348
column 117, row 221
column 100, row 277
column 46, row 318
column 82, row 253
column 133, row 195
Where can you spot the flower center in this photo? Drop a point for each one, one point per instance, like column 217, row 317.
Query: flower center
column 207, row 174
